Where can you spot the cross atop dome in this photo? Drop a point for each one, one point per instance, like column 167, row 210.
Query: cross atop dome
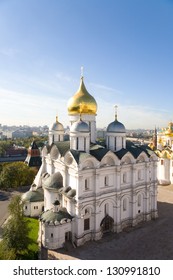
column 116, row 112
column 81, row 71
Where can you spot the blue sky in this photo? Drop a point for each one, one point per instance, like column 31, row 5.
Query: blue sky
column 125, row 47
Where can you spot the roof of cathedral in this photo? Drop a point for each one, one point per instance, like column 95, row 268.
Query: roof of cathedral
column 99, row 151
column 63, row 147
column 55, row 217
column 82, row 102
column 166, row 153
column 79, row 156
column 33, row 195
column 136, row 149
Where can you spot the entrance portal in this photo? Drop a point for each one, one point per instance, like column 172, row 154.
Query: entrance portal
column 107, row 224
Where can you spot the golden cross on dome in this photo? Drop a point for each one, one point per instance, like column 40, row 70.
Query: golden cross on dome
column 81, row 71
column 116, row 111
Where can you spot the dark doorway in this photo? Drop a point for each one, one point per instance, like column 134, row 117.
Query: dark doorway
column 107, row 224
column 68, row 236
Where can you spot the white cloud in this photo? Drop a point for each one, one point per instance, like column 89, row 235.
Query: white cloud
column 132, row 116
column 63, row 77
column 32, row 107
column 105, row 88
column 22, row 108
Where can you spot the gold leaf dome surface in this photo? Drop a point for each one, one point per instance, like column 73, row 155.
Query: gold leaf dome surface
column 82, row 102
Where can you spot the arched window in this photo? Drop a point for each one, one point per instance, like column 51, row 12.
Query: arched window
column 139, row 200
column 139, row 175
column 86, row 185
column 124, row 204
column 87, row 211
column 77, row 143
column 115, row 143
column 86, row 224
column 124, row 177
column 106, row 181
column 106, row 209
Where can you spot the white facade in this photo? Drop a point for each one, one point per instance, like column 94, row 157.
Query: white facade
column 90, row 189
column 110, row 194
column 164, row 150
column 33, row 209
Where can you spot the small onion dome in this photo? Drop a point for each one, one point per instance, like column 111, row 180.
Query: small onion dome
column 57, row 126
column 66, row 189
column 116, row 127
column 79, row 126
column 169, row 129
column 71, row 193
column 54, row 181
column 82, row 102
column 56, row 202
column 33, row 196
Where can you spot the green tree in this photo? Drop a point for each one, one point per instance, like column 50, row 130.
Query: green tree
column 5, row 253
column 16, row 229
column 16, row 174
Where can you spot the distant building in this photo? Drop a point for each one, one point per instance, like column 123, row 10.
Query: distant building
column 16, row 151
column 101, row 133
column 2, row 137
column 17, row 134
column 163, row 146
column 21, row 134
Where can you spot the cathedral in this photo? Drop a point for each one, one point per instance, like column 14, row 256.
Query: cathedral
column 82, row 189
column 163, row 147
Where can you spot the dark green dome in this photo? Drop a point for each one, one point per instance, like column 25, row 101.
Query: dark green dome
column 54, row 181
column 55, row 217
column 33, row 196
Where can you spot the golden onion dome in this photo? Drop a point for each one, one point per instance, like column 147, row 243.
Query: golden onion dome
column 82, row 102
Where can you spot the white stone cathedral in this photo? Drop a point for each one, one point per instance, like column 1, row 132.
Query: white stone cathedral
column 163, row 146
column 82, row 189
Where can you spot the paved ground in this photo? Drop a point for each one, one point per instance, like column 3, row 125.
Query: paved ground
column 152, row 240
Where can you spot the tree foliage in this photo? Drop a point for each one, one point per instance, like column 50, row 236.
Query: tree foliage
column 16, row 174
column 5, row 253
column 23, row 142
column 16, row 230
